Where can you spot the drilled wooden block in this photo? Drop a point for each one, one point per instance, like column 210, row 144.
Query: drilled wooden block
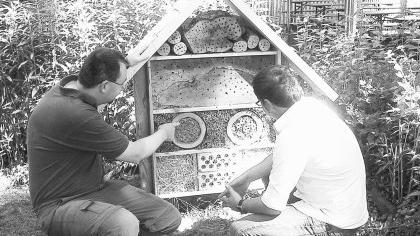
column 205, row 82
column 214, row 161
column 214, row 180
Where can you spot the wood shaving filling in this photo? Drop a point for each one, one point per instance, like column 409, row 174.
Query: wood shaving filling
column 176, row 174
column 188, row 131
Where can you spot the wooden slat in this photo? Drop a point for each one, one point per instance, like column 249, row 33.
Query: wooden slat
column 141, row 93
column 301, row 66
column 208, row 191
column 213, row 55
column 150, row 98
column 193, row 193
column 207, row 150
column 186, row 194
column 210, row 108
column 161, row 32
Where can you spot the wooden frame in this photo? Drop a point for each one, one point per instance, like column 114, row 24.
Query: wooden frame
column 141, row 72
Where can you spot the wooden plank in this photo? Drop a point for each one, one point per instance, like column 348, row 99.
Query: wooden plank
column 278, row 58
column 381, row 12
column 214, row 55
column 193, row 193
column 150, row 99
column 155, row 183
column 160, row 33
column 141, row 95
column 206, row 150
column 202, row 192
column 301, row 66
column 210, row 108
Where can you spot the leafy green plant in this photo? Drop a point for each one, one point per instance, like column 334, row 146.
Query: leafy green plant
column 43, row 41
column 368, row 74
column 377, row 78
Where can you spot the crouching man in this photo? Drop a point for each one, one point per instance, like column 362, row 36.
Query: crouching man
column 67, row 139
column 316, row 154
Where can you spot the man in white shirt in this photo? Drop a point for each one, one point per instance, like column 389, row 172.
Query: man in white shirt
column 315, row 153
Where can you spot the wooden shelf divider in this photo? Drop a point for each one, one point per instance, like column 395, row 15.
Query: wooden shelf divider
column 211, row 55
column 210, row 108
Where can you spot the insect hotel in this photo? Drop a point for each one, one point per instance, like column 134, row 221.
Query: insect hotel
column 199, row 74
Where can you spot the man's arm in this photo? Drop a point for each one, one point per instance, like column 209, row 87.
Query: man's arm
column 255, row 205
column 137, row 57
column 241, row 183
column 260, row 170
column 285, row 173
column 252, row 205
column 145, row 147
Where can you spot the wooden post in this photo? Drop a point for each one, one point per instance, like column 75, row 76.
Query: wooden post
column 141, row 96
column 351, row 13
column 403, row 4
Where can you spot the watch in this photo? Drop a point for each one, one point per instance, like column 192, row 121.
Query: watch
column 240, row 206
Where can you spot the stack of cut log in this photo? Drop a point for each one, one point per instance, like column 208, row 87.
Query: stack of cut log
column 173, row 44
column 213, row 31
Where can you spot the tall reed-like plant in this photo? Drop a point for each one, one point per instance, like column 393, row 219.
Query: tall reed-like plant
column 43, row 41
column 376, row 81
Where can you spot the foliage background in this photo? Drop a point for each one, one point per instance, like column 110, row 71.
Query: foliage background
column 376, row 76
column 45, row 40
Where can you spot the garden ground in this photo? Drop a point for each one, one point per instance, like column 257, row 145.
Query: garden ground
column 17, row 217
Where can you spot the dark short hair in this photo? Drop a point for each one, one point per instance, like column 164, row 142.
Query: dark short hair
column 276, row 84
column 101, row 64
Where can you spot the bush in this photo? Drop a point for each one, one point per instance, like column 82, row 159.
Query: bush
column 43, row 41
column 376, row 77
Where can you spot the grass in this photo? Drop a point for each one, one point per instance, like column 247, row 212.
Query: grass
column 17, row 217
column 202, row 216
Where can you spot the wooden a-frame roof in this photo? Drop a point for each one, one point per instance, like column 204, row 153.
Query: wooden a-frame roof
column 184, row 8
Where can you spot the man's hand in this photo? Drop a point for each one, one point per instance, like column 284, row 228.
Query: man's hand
column 231, row 198
column 240, row 185
column 169, row 129
column 101, row 107
column 138, row 57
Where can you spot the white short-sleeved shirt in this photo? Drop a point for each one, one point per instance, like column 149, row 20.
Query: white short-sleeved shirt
column 318, row 153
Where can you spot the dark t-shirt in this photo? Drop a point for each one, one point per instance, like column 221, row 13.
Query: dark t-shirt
column 67, row 138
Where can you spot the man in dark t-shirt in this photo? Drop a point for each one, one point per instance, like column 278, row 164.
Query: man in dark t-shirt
column 67, row 139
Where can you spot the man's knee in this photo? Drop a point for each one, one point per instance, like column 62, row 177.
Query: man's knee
column 121, row 222
column 177, row 219
column 171, row 219
column 168, row 221
column 235, row 228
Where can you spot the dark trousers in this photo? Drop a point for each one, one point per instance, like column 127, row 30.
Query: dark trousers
column 117, row 209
